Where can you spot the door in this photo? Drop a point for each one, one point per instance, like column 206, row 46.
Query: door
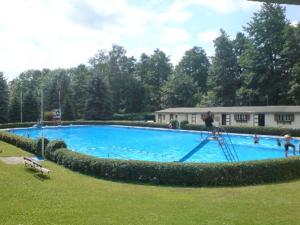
column 223, row 119
column 261, row 120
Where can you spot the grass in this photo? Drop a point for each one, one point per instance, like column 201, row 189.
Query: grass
column 72, row 198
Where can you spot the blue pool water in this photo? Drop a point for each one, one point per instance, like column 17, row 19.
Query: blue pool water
column 155, row 144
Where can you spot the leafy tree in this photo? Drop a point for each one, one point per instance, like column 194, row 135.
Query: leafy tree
column 223, row 74
column 98, row 102
column 3, row 99
column 179, row 91
column 195, row 64
column 153, row 71
column 262, row 63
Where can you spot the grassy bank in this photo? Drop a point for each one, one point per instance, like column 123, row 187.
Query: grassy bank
column 72, row 198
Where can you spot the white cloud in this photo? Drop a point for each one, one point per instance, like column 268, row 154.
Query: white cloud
column 227, row 6
column 208, row 36
column 171, row 36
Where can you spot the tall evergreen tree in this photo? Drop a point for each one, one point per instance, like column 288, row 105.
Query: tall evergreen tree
column 3, row 99
column 31, row 110
column 98, row 102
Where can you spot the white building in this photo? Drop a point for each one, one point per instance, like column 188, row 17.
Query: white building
column 269, row 116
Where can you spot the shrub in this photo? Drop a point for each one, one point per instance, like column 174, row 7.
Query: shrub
column 21, row 142
column 183, row 124
column 52, row 147
column 38, row 146
column 174, row 124
column 184, row 174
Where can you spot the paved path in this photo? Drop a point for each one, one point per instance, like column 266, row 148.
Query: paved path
column 12, row 160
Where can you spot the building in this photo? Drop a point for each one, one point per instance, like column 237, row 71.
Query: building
column 269, row 116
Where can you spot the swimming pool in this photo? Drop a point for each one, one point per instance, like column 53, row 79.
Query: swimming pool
column 152, row 144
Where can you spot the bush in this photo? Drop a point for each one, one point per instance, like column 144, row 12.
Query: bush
column 26, row 144
column 174, row 124
column 134, row 116
column 38, row 146
column 184, row 174
column 52, row 147
column 183, row 124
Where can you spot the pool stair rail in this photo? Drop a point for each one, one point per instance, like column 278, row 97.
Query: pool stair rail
column 227, row 145
column 203, row 141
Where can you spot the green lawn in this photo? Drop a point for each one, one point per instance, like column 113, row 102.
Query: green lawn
column 72, row 198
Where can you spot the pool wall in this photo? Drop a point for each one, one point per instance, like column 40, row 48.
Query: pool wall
column 183, row 174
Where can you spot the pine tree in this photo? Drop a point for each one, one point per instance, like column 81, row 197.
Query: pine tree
column 98, row 104
column 30, row 107
column 3, row 99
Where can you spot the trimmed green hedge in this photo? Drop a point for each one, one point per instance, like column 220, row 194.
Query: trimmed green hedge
column 27, row 144
column 134, row 116
column 248, row 130
column 183, row 174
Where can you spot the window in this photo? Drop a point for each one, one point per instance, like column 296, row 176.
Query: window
column 176, row 117
column 171, row 116
column 242, row 117
column 284, row 117
column 194, row 118
column 164, row 116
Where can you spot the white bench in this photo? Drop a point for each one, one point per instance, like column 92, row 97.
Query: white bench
column 36, row 165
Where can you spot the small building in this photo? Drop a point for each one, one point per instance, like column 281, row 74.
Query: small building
column 269, row 116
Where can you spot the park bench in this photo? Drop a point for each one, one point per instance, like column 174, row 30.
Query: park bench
column 36, row 165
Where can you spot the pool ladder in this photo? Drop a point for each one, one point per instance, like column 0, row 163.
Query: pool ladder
column 226, row 145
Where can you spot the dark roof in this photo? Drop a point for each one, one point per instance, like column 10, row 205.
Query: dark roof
column 234, row 109
column 293, row 2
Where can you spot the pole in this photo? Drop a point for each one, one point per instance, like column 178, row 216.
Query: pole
column 21, row 106
column 59, row 106
column 42, row 106
column 43, row 144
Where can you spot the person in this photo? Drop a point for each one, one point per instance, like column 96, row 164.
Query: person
column 278, row 142
column 287, row 139
column 256, row 139
column 209, row 123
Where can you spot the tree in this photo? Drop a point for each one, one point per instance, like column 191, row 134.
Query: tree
column 195, row 64
column 262, row 63
column 223, row 74
column 80, row 77
column 3, row 99
column 98, row 102
column 67, row 109
column 179, row 91
column 153, row 71
column 30, row 107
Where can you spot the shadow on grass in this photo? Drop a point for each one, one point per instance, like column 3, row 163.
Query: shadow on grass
column 37, row 175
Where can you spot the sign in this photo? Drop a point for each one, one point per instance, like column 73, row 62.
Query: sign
column 56, row 114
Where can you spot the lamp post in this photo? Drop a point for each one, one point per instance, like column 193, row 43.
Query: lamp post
column 21, row 104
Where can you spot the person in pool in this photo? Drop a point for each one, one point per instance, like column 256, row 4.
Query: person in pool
column 287, row 144
column 256, row 139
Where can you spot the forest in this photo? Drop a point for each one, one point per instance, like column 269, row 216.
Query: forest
column 259, row 66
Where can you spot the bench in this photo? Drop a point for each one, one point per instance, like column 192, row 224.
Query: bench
column 36, row 165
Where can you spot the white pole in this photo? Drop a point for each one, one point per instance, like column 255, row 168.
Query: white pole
column 42, row 106
column 21, row 106
column 43, row 144
column 59, row 106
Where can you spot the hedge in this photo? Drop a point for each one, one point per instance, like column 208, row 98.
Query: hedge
column 183, row 174
column 27, row 144
column 248, row 130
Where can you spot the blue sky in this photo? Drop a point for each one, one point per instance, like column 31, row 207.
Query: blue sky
column 37, row 34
